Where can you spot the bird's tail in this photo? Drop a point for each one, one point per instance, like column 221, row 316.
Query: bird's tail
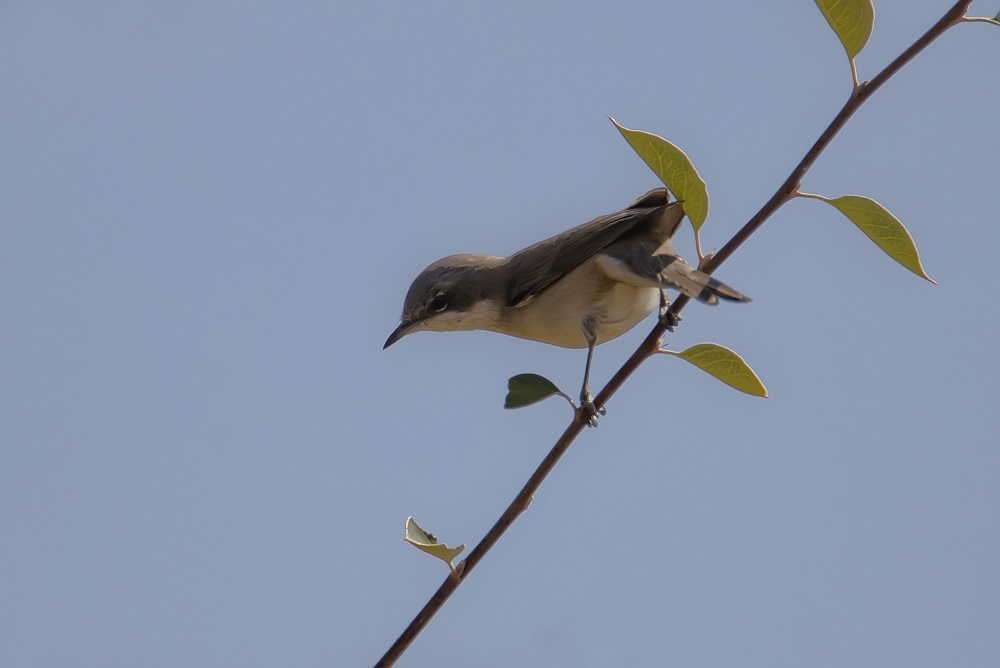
column 697, row 284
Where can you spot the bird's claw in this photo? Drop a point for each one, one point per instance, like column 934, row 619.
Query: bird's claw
column 590, row 410
column 668, row 318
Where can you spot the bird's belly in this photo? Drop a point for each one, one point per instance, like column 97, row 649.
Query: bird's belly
column 557, row 315
column 629, row 307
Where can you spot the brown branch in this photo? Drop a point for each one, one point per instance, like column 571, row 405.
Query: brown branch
column 652, row 342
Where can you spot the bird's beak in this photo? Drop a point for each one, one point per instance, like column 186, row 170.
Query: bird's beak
column 398, row 333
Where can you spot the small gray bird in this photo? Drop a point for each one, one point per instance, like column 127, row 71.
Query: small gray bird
column 580, row 288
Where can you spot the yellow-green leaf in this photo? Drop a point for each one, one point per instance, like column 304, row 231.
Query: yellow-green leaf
column 883, row 228
column 428, row 542
column 725, row 365
column 674, row 168
column 528, row 388
column 852, row 20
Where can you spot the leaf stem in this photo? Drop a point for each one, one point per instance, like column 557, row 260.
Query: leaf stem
column 811, row 196
column 981, row 19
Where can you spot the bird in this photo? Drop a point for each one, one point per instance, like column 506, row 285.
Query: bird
column 578, row 289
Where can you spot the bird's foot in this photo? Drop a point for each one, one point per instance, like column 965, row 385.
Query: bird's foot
column 590, row 410
column 668, row 318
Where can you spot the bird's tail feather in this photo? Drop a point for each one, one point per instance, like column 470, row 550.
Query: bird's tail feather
column 699, row 285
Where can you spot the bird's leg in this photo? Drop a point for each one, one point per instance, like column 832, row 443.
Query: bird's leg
column 586, row 399
column 667, row 318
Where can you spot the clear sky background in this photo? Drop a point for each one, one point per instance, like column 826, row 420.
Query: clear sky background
column 210, row 213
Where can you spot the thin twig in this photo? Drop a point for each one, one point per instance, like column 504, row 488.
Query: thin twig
column 651, row 344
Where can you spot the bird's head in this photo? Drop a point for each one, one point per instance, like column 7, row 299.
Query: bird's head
column 451, row 295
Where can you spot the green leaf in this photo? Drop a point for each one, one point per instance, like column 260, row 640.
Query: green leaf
column 428, row 542
column 528, row 388
column 883, row 228
column 725, row 365
column 674, row 168
column 852, row 20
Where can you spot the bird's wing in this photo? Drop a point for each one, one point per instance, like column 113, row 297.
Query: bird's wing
column 537, row 267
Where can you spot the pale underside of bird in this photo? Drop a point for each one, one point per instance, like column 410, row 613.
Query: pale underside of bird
column 577, row 289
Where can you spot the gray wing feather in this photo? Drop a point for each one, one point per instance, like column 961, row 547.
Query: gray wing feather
column 537, row 267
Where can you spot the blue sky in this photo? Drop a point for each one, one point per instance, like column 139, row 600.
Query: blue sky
column 210, row 213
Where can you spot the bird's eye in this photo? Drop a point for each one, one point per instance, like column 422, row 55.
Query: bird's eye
column 439, row 303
